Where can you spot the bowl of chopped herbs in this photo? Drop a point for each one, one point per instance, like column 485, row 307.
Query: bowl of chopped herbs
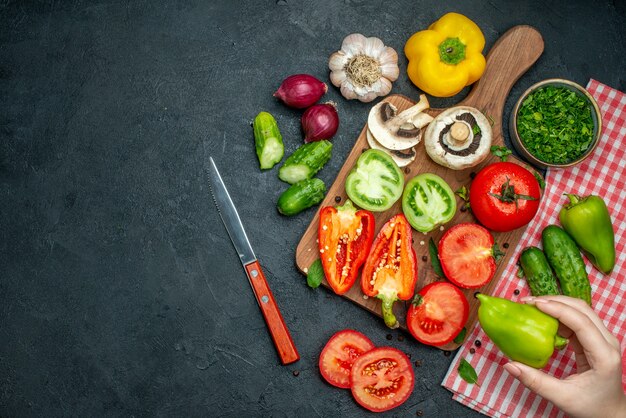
column 555, row 123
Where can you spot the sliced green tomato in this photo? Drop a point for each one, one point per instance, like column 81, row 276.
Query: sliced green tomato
column 428, row 202
column 376, row 181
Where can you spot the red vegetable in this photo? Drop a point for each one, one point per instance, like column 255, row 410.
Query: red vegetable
column 320, row 121
column 382, row 379
column 390, row 271
column 504, row 196
column 466, row 255
column 438, row 313
column 345, row 236
column 339, row 353
column 301, row 91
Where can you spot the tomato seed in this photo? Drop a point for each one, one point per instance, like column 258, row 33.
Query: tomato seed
column 516, row 292
column 477, row 343
column 389, row 336
column 296, row 373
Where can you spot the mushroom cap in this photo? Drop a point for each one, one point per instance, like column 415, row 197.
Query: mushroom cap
column 453, row 155
column 401, row 157
column 398, row 131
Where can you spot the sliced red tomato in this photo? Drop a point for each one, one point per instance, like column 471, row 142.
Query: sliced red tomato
column 382, row 379
column 339, row 353
column 504, row 196
column 438, row 313
column 391, row 268
column 466, row 255
column 345, row 236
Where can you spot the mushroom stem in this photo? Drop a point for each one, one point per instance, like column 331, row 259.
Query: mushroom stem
column 459, row 133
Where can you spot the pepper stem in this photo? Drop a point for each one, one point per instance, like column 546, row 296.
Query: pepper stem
column 452, row 51
column 560, row 342
column 387, row 309
column 573, row 199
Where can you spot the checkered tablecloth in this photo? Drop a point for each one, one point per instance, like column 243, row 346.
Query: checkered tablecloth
column 603, row 174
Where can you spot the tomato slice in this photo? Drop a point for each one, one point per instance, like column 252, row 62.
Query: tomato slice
column 438, row 313
column 376, row 182
column 390, row 271
column 339, row 354
column 427, row 202
column 382, row 379
column 345, row 236
column 466, row 255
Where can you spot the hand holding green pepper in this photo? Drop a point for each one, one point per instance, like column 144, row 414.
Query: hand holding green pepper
column 596, row 388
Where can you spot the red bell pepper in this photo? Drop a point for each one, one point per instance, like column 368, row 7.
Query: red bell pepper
column 345, row 236
column 391, row 268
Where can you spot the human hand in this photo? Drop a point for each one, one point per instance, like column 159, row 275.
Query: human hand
column 596, row 388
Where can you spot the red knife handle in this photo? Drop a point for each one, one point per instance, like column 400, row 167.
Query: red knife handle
column 278, row 330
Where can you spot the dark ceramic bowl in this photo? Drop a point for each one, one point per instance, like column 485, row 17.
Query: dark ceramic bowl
column 595, row 114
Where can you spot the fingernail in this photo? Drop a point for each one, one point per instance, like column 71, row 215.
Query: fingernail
column 512, row 369
column 527, row 299
column 540, row 301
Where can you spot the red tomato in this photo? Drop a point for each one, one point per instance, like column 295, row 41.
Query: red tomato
column 504, row 196
column 382, row 379
column 339, row 353
column 438, row 314
column 466, row 255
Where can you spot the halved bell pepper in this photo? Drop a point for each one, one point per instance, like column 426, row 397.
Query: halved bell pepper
column 390, row 271
column 447, row 56
column 522, row 332
column 345, row 236
column 588, row 222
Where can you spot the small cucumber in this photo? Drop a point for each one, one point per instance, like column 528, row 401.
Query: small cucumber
column 268, row 140
column 569, row 267
column 306, row 161
column 301, row 196
column 538, row 272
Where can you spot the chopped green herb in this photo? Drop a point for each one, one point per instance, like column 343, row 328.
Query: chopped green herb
column 500, row 152
column 540, row 180
column 315, row 274
column 555, row 124
column 460, row 336
column 497, row 253
column 463, row 193
column 467, row 372
column 434, row 258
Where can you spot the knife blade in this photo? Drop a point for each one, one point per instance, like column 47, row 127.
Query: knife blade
column 228, row 213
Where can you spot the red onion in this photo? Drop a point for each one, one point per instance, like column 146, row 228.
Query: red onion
column 320, row 122
column 301, row 90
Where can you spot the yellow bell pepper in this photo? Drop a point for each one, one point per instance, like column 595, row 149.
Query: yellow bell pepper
column 447, row 56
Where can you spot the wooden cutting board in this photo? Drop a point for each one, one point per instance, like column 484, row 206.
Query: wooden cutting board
column 509, row 58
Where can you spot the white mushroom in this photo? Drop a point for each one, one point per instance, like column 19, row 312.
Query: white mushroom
column 458, row 138
column 398, row 131
column 401, row 157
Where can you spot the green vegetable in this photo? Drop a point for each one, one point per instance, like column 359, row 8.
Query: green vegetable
column 434, row 258
column 522, row 332
column 463, row 193
column 268, row 140
column 301, row 196
column 538, row 272
column 555, row 124
column 569, row 267
column 427, row 202
column 588, row 222
column 315, row 274
column 460, row 336
column 467, row 372
column 305, row 162
column 500, row 152
column 376, row 182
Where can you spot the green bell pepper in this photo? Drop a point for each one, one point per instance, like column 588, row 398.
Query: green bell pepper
column 522, row 332
column 587, row 221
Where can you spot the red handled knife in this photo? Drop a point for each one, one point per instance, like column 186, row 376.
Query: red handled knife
column 225, row 207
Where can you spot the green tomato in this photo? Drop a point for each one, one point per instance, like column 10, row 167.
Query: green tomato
column 375, row 183
column 427, row 202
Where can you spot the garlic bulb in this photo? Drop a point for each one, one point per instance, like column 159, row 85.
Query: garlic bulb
column 364, row 68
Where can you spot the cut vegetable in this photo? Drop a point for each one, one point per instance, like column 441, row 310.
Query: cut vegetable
column 401, row 157
column 268, row 140
column 301, row 196
column 305, row 162
column 376, row 182
column 338, row 355
column 438, row 314
column 427, row 202
column 466, row 255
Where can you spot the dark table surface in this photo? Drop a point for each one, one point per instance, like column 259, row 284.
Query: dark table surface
column 120, row 292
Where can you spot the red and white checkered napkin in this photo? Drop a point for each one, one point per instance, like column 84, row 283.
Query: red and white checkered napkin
column 603, row 174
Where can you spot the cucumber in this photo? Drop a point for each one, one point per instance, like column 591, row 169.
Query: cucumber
column 268, row 140
column 569, row 267
column 305, row 162
column 538, row 272
column 301, row 196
